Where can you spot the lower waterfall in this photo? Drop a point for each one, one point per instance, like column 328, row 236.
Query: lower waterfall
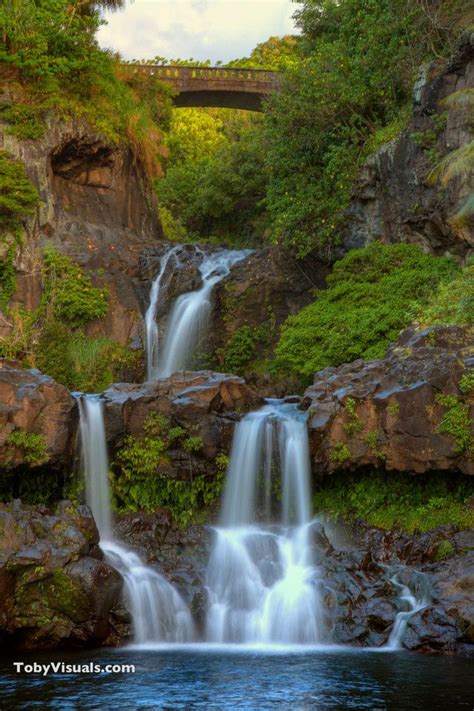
column 262, row 581
column 159, row 614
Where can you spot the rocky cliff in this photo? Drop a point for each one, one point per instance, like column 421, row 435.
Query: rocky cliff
column 96, row 207
column 395, row 201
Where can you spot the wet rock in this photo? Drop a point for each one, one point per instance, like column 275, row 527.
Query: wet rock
column 396, row 420
column 207, row 403
column 33, row 403
column 393, row 200
column 432, row 629
column 57, row 591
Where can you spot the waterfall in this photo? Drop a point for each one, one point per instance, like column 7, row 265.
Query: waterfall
column 189, row 316
column 412, row 604
column 263, row 585
column 158, row 612
column 151, row 327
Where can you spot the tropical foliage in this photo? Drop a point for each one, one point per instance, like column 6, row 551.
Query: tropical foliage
column 370, row 297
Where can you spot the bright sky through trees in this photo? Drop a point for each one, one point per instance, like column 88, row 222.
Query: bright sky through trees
column 202, row 29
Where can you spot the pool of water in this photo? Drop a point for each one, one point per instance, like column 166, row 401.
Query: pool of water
column 202, row 677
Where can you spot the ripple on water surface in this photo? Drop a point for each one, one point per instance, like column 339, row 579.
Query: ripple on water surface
column 206, row 677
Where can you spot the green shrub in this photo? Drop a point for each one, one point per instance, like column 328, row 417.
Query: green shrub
column 143, row 479
column 395, row 500
column 68, row 291
column 340, row 453
column 18, row 196
column 242, row 348
column 456, row 422
column 366, row 304
column 451, row 303
column 32, row 446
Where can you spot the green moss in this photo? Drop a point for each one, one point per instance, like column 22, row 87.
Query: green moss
column 395, row 500
column 48, row 601
column 372, row 440
column 32, row 446
column 455, row 422
column 340, row 453
column 353, row 423
column 393, row 408
column 444, row 550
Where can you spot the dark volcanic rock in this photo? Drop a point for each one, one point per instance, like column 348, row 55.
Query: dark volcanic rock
column 395, row 422
column 394, row 200
column 56, row 589
column 34, row 403
column 261, row 292
column 208, row 400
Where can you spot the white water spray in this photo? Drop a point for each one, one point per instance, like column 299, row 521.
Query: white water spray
column 262, row 583
column 151, row 326
column 189, row 316
column 158, row 612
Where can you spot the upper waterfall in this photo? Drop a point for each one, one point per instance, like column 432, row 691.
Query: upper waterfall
column 188, row 320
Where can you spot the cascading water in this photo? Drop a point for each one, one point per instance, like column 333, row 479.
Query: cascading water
column 151, row 326
column 189, row 316
column 158, row 612
column 411, row 603
column 262, row 582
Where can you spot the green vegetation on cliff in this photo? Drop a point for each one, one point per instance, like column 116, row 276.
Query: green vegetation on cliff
column 18, row 199
column 52, row 337
column 143, row 476
column 52, row 62
column 396, row 500
column 357, row 64
column 370, row 297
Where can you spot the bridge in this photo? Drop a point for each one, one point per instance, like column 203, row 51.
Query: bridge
column 215, row 86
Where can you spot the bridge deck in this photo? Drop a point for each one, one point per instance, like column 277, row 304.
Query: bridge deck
column 215, row 86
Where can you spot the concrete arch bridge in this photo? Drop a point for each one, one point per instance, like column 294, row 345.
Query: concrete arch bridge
column 215, row 86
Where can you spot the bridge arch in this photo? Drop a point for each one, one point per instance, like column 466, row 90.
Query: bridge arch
column 215, row 86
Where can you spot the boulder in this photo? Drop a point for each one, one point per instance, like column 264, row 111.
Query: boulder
column 57, row 591
column 211, row 402
column 387, row 413
column 33, row 404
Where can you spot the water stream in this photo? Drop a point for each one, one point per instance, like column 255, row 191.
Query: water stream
column 262, row 582
column 410, row 603
column 158, row 612
column 188, row 320
column 151, row 326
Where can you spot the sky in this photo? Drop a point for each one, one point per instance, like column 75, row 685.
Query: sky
column 198, row 29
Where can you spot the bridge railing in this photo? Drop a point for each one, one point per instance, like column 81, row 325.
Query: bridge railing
column 178, row 73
